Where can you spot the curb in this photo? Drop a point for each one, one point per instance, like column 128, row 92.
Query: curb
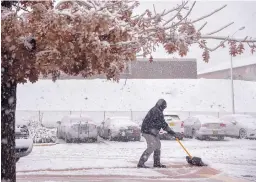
column 44, row 144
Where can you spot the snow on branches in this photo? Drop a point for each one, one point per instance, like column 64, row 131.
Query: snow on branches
column 75, row 37
column 182, row 33
column 95, row 37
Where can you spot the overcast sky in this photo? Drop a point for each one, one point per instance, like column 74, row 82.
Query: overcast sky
column 243, row 13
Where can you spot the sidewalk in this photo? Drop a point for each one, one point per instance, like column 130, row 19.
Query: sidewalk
column 174, row 173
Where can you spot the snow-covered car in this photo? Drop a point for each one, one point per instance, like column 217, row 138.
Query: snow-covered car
column 204, row 127
column 23, row 142
column 77, row 128
column 120, row 128
column 175, row 123
column 242, row 126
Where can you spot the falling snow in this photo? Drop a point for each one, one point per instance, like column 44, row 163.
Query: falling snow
column 4, row 141
column 99, row 37
column 11, row 100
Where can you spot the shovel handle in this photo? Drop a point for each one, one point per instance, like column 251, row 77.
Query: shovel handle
column 183, row 148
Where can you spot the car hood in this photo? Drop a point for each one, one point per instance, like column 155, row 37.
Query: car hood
column 23, row 143
column 124, row 125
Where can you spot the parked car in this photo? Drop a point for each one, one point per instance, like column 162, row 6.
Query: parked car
column 120, row 128
column 204, row 127
column 241, row 126
column 24, row 144
column 175, row 123
column 77, row 128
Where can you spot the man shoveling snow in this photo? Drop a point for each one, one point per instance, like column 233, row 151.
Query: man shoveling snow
column 151, row 126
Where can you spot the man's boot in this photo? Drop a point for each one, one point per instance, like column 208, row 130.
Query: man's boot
column 144, row 157
column 157, row 154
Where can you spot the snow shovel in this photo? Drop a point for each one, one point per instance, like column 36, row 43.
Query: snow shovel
column 196, row 161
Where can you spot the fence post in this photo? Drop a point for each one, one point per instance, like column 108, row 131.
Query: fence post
column 104, row 115
column 70, row 112
column 218, row 115
column 39, row 118
column 131, row 115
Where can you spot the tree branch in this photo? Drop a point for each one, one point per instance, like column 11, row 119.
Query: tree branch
column 174, row 9
column 154, row 9
column 212, row 49
column 94, row 5
column 203, row 17
column 251, row 46
column 183, row 17
column 20, row 7
column 168, row 21
column 216, row 31
column 85, row 4
column 202, row 27
column 224, row 38
column 62, row 1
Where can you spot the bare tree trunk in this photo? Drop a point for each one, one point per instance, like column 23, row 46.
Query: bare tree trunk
column 8, row 103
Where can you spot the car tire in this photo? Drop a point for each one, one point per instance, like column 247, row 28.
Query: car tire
column 137, row 139
column 193, row 134
column 58, row 134
column 242, row 133
column 220, row 138
column 201, row 138
column 109, row 135
column 66, row 139
column 99, row 133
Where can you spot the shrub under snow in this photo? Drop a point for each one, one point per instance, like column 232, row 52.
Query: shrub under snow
column 41, row 134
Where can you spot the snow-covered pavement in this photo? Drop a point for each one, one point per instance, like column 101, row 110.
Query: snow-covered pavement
column 234, row 157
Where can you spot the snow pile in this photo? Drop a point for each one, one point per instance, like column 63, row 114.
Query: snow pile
column 41, row 134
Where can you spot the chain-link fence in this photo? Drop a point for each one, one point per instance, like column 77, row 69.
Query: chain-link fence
column 50, row 118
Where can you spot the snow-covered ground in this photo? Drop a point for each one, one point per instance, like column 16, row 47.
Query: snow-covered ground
column 233, row 156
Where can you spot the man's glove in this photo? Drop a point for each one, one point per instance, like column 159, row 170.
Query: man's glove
column 175, row 134
column 169, row 131
column 178, row 135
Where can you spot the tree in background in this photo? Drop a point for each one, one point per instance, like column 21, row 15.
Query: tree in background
column 87, row 38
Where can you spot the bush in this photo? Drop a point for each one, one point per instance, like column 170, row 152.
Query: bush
column 41, row 134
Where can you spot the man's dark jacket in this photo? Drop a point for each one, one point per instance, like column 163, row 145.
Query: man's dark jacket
column 154, row 120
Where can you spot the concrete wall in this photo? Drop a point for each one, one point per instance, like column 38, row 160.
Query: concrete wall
column 247, row 73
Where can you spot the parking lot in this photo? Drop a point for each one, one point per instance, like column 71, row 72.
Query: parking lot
column 232, row 157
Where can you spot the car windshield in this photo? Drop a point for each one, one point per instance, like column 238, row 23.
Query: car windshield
column 171, row 117
column 208, row 119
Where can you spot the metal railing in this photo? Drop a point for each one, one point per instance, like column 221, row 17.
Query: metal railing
column 50, row 118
